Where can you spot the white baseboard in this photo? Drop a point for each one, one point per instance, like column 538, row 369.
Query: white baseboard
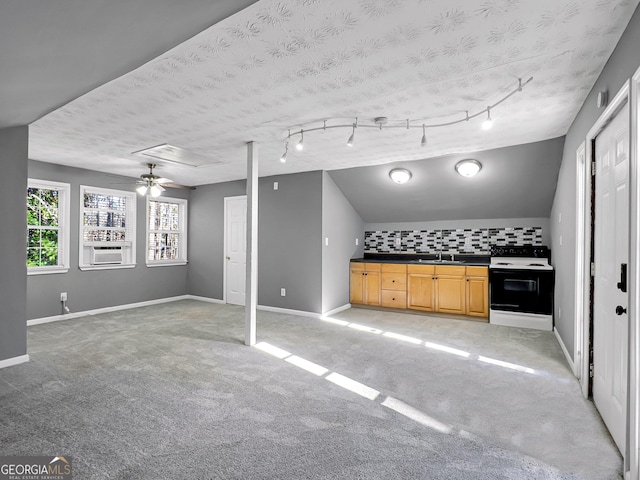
column 97, row 311
column 337, row 310
column 10, row 362
column 565, row 351
column 301, row 313
column 205, row 299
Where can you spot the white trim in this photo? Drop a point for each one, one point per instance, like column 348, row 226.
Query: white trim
column 10, row 362
column 633, row 440
column 565, row 351
column 88, row 268
column 287, row 311
column 579, row 316
column 205, row 299
column 224, row 245
column 584, row 237
column 97, row 311
column 46, row 270
column 183, row 214
column 337, row 310
column 64, row 226
column 166, row 264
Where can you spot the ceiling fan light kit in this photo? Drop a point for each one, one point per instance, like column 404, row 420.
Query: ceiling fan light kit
column 379, row 122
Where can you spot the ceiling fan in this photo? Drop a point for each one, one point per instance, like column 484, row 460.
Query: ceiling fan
column 155, row 184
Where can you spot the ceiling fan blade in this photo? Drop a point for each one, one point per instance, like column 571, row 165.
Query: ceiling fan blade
column 159, row 187
column 163, row 180
column 177, row 185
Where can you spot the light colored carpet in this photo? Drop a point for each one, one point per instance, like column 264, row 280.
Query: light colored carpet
column 170, row 392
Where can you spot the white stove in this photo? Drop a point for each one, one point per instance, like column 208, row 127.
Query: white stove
column 521, row 287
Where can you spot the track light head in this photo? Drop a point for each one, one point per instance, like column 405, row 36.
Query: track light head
column 423, row 142
column 300, row 144
column 488, row 123
column 352, row 137
column 283, row 158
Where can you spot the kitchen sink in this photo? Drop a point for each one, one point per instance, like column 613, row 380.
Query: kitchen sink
column 439, row 262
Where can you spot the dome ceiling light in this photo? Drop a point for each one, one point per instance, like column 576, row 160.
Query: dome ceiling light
column 468, row 167
column 400, row 175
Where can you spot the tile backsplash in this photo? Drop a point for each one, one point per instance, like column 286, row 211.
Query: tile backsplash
column 467, row 240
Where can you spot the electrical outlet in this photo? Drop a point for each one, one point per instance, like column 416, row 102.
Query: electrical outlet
column 326, row 241
column 398, row 242
column 283, row 292
column 356, row 242
column 63, row 297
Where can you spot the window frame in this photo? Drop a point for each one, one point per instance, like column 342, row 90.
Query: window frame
column 128, row 246
column 64, row 226
column 182, row 231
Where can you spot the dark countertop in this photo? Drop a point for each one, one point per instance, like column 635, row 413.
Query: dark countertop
column 425, row 259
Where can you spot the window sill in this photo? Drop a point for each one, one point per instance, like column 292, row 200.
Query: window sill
column 46, row 270
column 86, row 268
column 166, row 264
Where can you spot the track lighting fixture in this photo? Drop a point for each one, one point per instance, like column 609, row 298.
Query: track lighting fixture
column 351, row 138
column 300, row 144
column 488, row 123
column 379, row 122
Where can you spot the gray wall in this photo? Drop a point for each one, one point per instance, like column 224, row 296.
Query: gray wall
column 206, row 237
column 342, row 225
column 622, row 64
column 88, row 290
column 451, row 224
column 289, row 240
column 13, row 284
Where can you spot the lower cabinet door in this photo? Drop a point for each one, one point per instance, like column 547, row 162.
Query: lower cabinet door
column 372, row 288
column 451, row 294
column 356, row 290
column 477, row 297
column 394, row 299
column 420, row 292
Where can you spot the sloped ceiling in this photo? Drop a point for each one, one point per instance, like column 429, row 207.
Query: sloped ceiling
column 54, row 51
column 292, row 64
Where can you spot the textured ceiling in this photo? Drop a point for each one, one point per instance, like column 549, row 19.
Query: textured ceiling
column 282, row 64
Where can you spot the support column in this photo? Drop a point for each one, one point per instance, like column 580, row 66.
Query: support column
column 251, row 303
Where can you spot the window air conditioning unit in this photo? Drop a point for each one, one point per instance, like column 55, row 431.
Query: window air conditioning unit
column 106, row 256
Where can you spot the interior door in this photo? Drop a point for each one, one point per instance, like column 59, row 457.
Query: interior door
column 611, row 250
column 236, row 249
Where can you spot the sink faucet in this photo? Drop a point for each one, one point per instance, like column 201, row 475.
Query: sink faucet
column 452, row 259
column 439, row 256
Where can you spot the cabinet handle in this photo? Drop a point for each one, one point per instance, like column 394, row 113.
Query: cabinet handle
column 393, row 299
column 393, row 281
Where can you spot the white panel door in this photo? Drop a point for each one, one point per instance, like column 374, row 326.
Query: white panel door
column 236, row 246
column 611, row 249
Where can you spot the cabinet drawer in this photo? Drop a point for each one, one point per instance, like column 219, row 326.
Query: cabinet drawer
column 356, row 266
column 394, row 268
column 394, row 281
column 424, row 269
column 371, row 267
column 450, row 270
column 477, row 271
column 394, row 299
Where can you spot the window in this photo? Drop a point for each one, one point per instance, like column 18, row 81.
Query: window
column 108, row 228
column 47, row 227
column 166, row 231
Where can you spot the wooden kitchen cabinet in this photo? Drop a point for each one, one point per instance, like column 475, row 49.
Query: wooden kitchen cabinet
column 420, row 287
column 393, row 285
column 364, row 283
column 477, row 292
column 450, row 288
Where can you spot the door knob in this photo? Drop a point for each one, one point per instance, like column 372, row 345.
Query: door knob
column 620, row 310
column 228, row 258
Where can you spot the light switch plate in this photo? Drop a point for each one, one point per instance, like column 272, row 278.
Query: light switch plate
column 275, row 185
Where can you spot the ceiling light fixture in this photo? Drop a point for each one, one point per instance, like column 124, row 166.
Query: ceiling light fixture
column 378, row 122
column 142, row 189
column 488, row 123
column 155, row 190
column 300, row 144
column 468, row 167
column 400, row 175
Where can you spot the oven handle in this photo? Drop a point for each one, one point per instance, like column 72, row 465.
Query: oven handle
column 505, row 305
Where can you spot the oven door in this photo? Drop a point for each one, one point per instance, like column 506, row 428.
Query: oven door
column 526, row 291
